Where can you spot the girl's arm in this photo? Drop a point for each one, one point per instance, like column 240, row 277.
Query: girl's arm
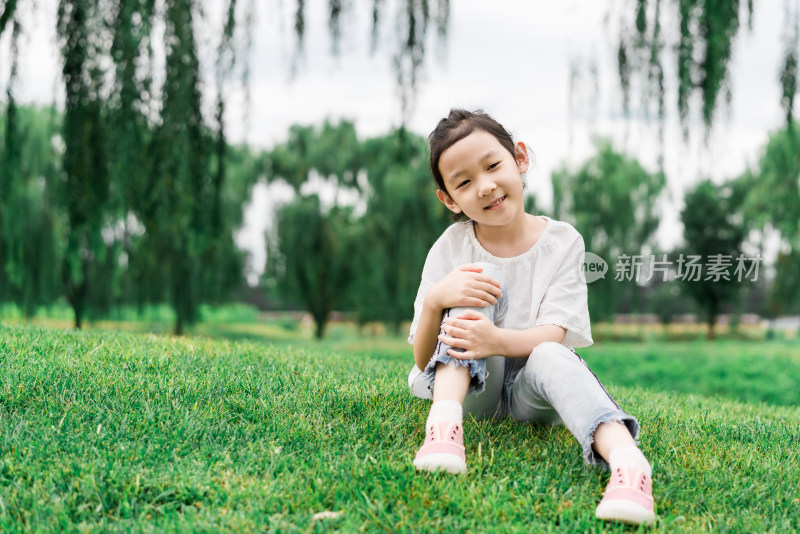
column 520, row 343
column 565, row 303
column 480, row 338
column 425, row 341
column 464, row 286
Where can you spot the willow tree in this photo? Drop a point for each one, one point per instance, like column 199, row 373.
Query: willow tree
column 773, row 201
column 29, row 188
column 713, row 229
column 154, row 166
column 30, row 252
column 85, row 161
column 611, row 199
column 312, row 249
column 182, row 221
column 130, row 107
column 403, row 219
column 9, row 172
column 316, row 265
column 363, row 256
column 701, row 49
column 31, row 216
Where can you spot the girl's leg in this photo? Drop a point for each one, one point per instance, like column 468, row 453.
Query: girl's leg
column 629, row 495
column 452, row 383
column 609, row 436
column 451, row 380
column 443, row 447
column 557, row 385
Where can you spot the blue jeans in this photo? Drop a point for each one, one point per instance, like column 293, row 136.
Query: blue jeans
column 551, row 386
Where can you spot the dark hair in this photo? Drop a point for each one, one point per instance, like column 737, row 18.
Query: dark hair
column 455, row 127
column 458, row 125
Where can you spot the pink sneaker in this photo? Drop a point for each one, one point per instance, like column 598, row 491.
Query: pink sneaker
column 628, row 497
column 443, row 449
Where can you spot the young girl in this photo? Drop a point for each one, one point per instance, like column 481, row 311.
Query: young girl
column 499, row 307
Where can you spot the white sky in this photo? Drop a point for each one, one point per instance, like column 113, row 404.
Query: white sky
column 511, row 59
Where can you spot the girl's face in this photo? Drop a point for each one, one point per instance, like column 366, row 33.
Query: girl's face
column 483, row 179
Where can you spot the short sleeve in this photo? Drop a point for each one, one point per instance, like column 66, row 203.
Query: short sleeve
column 565, row 302
column 437, row 265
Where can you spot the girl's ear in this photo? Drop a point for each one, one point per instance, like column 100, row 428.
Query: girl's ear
column 447, row 201
column 522, row 157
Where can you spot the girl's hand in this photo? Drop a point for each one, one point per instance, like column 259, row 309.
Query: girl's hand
column 474, row 332
column 465, row 286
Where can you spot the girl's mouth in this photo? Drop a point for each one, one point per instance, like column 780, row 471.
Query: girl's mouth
column 496, row 203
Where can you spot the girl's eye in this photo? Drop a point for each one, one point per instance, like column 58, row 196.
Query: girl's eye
column 465, row 182
column 493, row 165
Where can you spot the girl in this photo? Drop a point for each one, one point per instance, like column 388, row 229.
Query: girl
column 500, row 305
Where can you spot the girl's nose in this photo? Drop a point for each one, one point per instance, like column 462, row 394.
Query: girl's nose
column 487, row 186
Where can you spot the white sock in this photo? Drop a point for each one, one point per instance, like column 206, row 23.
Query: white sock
column 629, row 456
column 445, row 410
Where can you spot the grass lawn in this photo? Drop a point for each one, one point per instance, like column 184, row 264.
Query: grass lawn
column 108, row 431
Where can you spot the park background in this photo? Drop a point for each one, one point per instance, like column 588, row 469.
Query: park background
column 253, row 177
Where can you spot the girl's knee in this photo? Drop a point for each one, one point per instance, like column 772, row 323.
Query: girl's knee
column 550, row 350
column 550, row 357
column 492, row 270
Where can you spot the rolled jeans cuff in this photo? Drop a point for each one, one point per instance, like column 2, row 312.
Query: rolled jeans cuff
column 477, row 369
column 589, row 454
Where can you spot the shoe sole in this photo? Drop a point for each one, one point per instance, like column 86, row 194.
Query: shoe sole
column 444, row 462
column 626, row 512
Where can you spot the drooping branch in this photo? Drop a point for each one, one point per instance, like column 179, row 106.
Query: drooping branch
column 789, row 65
column 335, row 24
column 707, row 30
column 7, row 14
column 411, row 31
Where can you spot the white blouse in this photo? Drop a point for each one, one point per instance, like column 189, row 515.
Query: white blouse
column 544, row 283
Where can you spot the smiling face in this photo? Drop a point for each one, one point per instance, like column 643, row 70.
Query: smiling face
column 483, row 179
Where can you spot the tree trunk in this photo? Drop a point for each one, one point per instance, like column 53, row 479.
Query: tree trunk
column 78, row 316
column 712, row 316
column 319, row 324
column 77, row 299
column 178, row 331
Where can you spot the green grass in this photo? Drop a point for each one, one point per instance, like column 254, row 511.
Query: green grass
column 744, row 371
column 108, row 431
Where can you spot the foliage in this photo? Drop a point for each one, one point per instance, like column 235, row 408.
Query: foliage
column 612, row 201
column 773, row 200
column 412, row 25
column 713, row 228
column 129, row 107
column 311, row 251
column 368, row 257
column 402, row 222
column 707, row 30
column 316, row 250
column 151, row 191
column 666, row 299
column 119, row 432
column 187, row 229
column 85, row 161
column 7, row 14
column 30, row 245
column 784, row 292
column 331, row 150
